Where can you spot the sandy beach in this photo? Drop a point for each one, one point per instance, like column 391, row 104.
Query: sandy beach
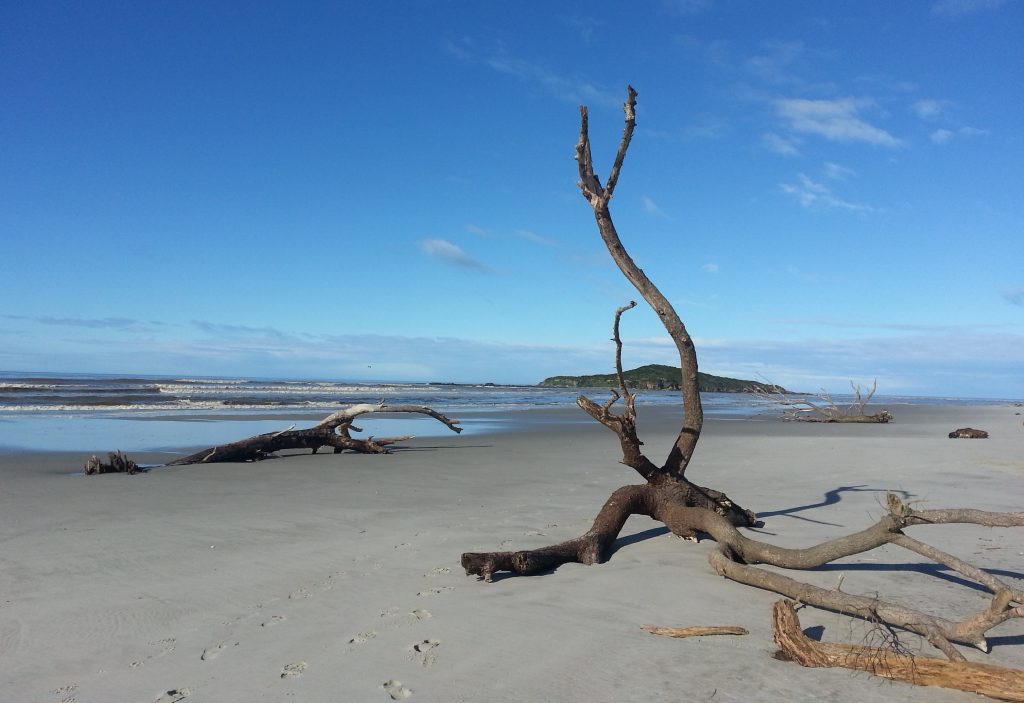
column 334, row 578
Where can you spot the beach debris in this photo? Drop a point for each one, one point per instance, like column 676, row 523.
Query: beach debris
column 688, row 510
column 333, row 431
column 823, row 407
column 117, row 463
column 892, row 661
column 695, row 631
column 968, row 433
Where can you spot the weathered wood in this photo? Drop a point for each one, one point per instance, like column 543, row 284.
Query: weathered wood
column 894, row 663
column 968, row 433
column 689, row 510
column 695, row 631
column 333, row 431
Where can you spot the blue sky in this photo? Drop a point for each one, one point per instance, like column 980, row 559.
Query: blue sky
column 826, row 191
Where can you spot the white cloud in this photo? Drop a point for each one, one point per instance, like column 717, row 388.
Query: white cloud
column 973, row 132
column 534, row 237
column 479, row 231
column 448, row 253
column 941, row 136
column 953, row 9
column 927, row 109
column 780, row 145
column 837, row 172
column 651, row 207
column 814, row 195
column 710, row 268
column 836, row 120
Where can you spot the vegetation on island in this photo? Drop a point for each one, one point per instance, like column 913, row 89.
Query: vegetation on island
column 660, row 377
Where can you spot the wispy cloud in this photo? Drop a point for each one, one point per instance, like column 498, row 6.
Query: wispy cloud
column 536, row 238
column 575, row 89
column 836, row 172
column 651, row 207
column 218, row 328
column 837, row 120
column 479, row 231
column 814, row 195
column 710, row 268
column 929, row 109
column 448, row 253
column 953, row 9
column 944, row 136
column 108, row 323
column 780, row 145
column 774, row 63
column 1014, row 295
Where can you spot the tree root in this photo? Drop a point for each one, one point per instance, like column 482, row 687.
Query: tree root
column 996, row 682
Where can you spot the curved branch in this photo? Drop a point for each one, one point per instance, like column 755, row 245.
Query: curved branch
column 693, row 419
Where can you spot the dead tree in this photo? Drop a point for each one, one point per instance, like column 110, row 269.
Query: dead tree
column 826, row 409
column 689, row 510
column 333, row 431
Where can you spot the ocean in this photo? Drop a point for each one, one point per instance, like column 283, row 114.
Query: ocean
column 94, row 412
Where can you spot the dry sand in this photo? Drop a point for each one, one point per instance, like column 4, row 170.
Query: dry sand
column 336, row 578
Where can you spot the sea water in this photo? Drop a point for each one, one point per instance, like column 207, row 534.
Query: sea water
column 92, row 412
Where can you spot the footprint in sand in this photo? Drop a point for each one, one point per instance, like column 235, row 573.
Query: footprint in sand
column 396, row 690
column 212, row 652
column 299, row 594
column 363, row 637
column 436, row 591
column 425, row 652
column 66, row 693
column 439, row 571
column 274, row 620
column 166, row 647
column 395, row 617
column 174, row 695
column 292, row 671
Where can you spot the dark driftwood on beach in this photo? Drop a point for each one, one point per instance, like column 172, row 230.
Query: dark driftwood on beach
column 333, row 431
column 690, row 510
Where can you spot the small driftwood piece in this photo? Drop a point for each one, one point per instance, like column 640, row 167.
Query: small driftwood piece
column 117, row 463
column 696, row 631
column 333, row 431
column 892, row 662
column 968, row 433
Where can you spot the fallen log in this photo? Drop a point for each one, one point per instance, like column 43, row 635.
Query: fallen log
column 892, row 662
column 333, row 431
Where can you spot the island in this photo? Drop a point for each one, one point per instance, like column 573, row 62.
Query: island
column 661, row 378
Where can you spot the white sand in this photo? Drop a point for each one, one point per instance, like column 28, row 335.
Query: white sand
column 321, row 578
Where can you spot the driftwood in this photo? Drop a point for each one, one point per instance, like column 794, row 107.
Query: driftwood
column 117, row 463
column 968, row 433
column 689, row 510
column 824, row 408
column 333, row 431
column 892, row 661
column 696, row 631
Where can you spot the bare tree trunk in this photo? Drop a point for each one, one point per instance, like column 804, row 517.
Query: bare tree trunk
column 689, row 510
